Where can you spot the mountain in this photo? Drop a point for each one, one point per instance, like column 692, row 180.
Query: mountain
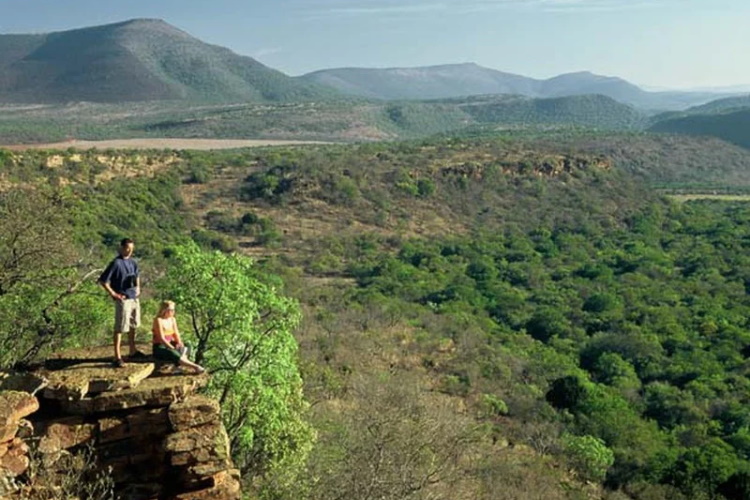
column 136, row 60
column 431, row 82
column 732, row 89
column 732, row 126
column 721, row 105
column 592, row 110
column 456, row 80
column 727, row 119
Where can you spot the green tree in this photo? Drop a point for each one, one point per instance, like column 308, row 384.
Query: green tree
column 244, row 331
column 42, row 277
column 701, row 470
column 589, row 455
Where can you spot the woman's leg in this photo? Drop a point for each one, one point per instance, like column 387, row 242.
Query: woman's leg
column 186, row 362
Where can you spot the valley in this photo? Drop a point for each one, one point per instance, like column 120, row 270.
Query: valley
column 445, row 283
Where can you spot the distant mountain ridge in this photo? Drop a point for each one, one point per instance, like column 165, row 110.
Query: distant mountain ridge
column 136, row 60
column 727, row 119
column 722, row 105
column 466, row 79
column 150, row 60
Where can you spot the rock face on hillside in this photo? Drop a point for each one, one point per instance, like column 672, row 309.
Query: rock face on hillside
column 548, row 166
column 14, row 460
column 157, row 438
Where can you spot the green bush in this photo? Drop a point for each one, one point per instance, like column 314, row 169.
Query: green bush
column 589, row 455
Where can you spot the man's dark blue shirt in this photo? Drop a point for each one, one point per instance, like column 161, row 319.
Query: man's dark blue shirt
column 122, row 276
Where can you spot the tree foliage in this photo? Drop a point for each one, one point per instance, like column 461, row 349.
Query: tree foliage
column 243, row 327
column 47, row 296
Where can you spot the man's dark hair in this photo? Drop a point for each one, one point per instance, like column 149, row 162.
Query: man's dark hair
column 125, row 242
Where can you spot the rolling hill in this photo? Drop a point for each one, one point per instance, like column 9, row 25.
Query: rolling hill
column 593, row 111
column 136, row 60
column 721, row 105
column 329, row 121
column 731, row 126
column 457, row 80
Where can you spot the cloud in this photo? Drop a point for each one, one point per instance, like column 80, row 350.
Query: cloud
column 379, row 8
column 338, row 8
column 597, row 5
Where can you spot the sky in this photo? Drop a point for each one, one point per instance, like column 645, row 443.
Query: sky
column 654, row 43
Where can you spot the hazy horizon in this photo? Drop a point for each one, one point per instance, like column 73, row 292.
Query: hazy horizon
column 658, row 44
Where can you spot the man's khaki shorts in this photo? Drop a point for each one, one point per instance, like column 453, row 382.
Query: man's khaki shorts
column 127, row 315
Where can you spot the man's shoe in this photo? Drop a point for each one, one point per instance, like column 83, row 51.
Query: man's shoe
column 118, row 363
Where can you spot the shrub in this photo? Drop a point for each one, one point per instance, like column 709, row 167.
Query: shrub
column 589, row 455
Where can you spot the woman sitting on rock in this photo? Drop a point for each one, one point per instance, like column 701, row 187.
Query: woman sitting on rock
column 166, row 340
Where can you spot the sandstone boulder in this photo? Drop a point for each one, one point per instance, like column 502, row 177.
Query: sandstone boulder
column 75, row 382
column 14, row 405
column 65, row 433
column 15, row 465
column 223, row 485
column 152, row 392
column 194, row 411
column 148, row 430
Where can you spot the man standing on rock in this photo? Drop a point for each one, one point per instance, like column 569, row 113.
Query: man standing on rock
column 121, row 280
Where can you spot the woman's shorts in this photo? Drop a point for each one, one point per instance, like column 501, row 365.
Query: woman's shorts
column 164, row 353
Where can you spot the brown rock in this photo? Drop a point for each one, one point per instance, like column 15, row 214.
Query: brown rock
column 144, row 422
column 15, row 465
column 75, row 382
column 208, row 469
column 3, row 449
column 17, row 448
column 121, row 449
column 150, row 422
column 225, row 485
column 65, row 433
column 14, row 405
column 211, row 436
column 194, row 411
column 113, row 429
column 152, row 392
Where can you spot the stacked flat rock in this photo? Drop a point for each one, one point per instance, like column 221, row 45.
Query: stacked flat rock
column 198, row 451
column 14, row 460
column 137, row 422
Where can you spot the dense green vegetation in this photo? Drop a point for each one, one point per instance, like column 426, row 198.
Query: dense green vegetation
column 622, row 334
column 731, row 126
column 716, row 106
column 489, row 317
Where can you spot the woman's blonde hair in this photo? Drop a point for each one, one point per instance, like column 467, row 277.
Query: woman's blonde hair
column 167, row 304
